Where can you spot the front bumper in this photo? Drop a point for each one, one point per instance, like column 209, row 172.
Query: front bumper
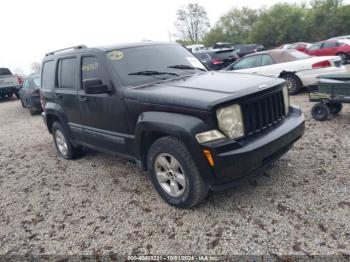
column 236, row 161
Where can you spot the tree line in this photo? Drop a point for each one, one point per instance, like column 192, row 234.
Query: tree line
column 279, row 24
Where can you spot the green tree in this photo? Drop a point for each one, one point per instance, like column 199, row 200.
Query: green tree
column 282, row 23
column 323, row 20
column 233, row 27
column 192, row 23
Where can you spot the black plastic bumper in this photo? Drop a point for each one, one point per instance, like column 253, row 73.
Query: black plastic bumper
column 236, row 161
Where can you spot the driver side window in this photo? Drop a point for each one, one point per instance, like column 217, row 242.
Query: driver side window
column 248, row 62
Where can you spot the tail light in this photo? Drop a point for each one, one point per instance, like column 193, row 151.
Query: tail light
column 217, row 61
column 322, row 64
column 42, row 101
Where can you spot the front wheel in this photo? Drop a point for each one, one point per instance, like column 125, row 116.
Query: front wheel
column 320, row 112
column 293, row 83
column 174, row 174
column 334, row 108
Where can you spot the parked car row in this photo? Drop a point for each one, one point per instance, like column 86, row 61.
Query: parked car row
column 193, row 130
column 297, row 68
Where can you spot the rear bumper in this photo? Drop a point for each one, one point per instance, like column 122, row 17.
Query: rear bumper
column 237, row 161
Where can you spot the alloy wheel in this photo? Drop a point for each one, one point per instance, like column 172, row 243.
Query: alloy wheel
column 170, row 174
column 291, row 83
column 61, row 142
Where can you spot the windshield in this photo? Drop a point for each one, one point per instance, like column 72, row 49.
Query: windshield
column 148, row 64
column 298, row 55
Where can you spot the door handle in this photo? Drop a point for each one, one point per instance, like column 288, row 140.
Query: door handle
column 82, row 98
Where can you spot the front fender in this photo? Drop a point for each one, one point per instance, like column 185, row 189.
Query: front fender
column 182, row 126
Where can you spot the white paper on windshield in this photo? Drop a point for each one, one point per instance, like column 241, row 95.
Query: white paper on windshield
column 194, row 62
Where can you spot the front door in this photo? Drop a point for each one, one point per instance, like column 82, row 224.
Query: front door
column 101, row 114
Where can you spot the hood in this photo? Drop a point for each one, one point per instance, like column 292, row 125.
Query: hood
column 202, row 91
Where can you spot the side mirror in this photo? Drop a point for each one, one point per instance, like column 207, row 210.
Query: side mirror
column 95, row 86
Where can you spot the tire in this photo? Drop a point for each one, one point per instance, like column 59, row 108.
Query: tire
column 293, row 83
column 9, row 96
column 191, row 188
column 334, row 108
column 344, row 58
column 32, row 111
column 66, row 151
column 320, row 112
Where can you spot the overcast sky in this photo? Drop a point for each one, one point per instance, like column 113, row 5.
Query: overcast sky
column 30, row 28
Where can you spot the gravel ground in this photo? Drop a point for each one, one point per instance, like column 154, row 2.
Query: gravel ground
column 100, row 204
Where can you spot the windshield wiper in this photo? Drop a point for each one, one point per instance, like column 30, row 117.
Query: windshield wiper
column 187, row 67
column 152, row 73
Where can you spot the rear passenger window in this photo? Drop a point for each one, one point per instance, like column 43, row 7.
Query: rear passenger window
column 90, row 68
column 48, row 75
column 67, row 73
column 266, row 60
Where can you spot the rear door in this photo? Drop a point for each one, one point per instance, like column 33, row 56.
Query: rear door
column 101, row 114
column 329, row 48
column 66, row 88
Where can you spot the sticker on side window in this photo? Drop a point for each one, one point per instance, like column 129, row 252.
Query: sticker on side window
column 194, row 62
column 115, row 55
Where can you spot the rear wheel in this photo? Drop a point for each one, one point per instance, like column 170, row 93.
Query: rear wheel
column 293, row 83
column 174, row 174
column 334, row 108
column 344, row 58
column 62, row 142
column 9, row 96
column 32, row 111
column 320, row 112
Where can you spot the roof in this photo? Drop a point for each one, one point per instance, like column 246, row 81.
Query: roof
column 278, row 55
column 107, row 47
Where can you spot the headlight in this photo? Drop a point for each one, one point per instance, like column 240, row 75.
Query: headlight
column 209, row 136
column 230, row 121
column 286, row 99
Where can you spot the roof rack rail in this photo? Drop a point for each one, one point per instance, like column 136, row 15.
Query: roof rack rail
column 66, row 49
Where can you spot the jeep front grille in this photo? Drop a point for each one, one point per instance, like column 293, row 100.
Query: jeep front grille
column 263, row 112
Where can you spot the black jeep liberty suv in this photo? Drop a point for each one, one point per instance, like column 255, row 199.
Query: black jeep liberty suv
column 157, row 105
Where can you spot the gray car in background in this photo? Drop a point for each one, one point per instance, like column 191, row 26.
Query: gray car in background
column 30, row 95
